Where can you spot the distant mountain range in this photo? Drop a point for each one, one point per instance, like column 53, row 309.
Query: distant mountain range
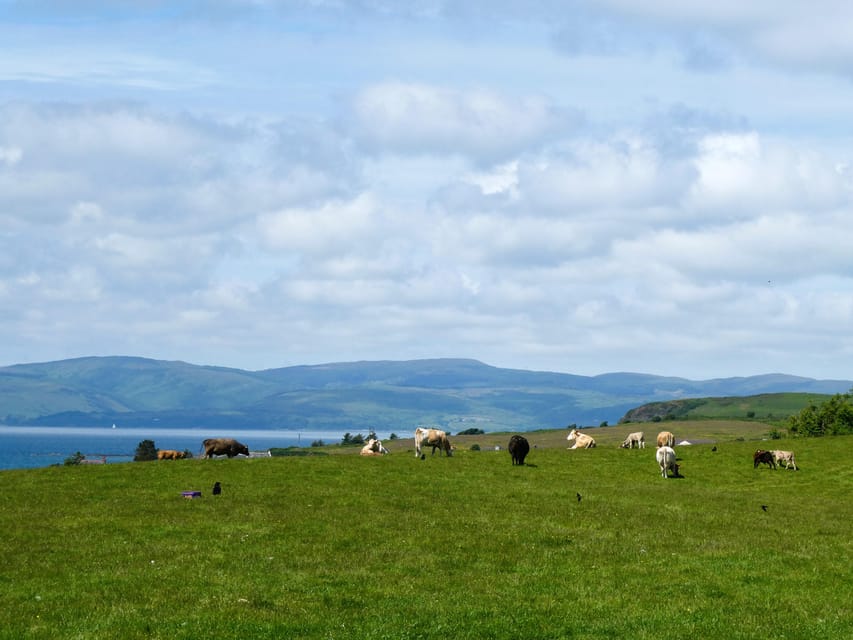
column 350, row 397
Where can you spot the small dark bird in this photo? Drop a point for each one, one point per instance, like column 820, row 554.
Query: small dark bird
column 217, row 488
column 714, row 448
column 764, row 507
column 423, row 456
column 579, row 497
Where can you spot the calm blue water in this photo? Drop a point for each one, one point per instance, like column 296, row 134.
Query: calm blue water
column 25, row 447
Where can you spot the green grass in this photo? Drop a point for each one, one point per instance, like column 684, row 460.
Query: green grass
column 341, row 546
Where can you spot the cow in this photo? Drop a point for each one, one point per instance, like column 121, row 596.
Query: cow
column 435, row 438
column 582, row 441
column 170, row 454
column 666, row 439
column 784, row 456
column 224, row 447
column 762, row 456
column 518, row 447
column 666, row 461
column 638, row 438
column 373, row 448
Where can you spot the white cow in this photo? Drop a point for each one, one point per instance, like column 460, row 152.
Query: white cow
column 435, row 438
column 638, row 438
column 582, row 441
column 666, row 461
column 373, row 448
column 784, row 456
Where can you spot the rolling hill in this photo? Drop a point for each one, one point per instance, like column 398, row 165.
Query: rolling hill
column 356, row 396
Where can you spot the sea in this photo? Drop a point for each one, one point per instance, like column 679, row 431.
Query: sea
column 27, row 447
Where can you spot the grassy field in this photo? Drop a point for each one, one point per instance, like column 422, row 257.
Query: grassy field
column 341, row 546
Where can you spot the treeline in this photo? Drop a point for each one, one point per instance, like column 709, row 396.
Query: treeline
column 833, row 417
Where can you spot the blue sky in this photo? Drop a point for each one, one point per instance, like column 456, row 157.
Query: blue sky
column 587, row 187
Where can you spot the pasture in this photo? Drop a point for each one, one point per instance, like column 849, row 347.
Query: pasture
column 341, row 546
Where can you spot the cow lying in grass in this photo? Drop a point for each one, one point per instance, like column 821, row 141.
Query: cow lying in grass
column 765, row 457
column 784, row 456
column 373, row 448
column 170, row 454
column 582, row 441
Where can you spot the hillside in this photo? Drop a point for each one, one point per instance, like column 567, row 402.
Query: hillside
column 357, row 396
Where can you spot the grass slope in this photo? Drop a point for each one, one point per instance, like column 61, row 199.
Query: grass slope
column 342, row 546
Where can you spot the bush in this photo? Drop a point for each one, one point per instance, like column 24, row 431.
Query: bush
column 475, row 447
column 471, row 432
column 77, row 458
column 318, row 443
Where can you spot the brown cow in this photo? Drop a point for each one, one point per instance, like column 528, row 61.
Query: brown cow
column 224, row 447
column 666, row 439
column 170, row 454
column 763, row 456
column 435, row 438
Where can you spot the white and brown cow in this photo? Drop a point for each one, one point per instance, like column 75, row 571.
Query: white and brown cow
column 373, row 448
column 666, row 439
column 582, row 441
column 666, row 461
column 637, row 438
column 784, row 456
column 435, row 438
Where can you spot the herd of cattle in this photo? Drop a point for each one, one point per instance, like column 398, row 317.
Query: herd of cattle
column 518, row 448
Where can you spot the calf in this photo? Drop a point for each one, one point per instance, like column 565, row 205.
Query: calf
column 518, row 449
column 666, row 461
column 373, row 448
column 638, row 438
column 784, row 456
column 170, row 454
column 762, row 456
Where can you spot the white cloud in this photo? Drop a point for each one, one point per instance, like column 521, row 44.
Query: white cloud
column 418, row 118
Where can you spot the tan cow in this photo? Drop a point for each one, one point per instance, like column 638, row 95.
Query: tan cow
column 666, row 439
column 373, row 448
column 638, row 438
column 435, row 438
column 582, row 441
column 170, row 454
column 784, row 456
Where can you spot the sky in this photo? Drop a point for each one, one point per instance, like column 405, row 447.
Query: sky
column 586, row 187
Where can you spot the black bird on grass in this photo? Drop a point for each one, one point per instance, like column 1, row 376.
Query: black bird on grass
column 764, row 507
column 714, row 448
column 579, row 497
column 217, row 488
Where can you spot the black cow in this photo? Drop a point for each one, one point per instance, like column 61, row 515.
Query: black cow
column 763, row 456
column 518, row 449
column 224, row 447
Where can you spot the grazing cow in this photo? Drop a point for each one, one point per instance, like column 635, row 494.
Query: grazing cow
column 784, row 456
column 434, row 438
column 582, row 441
column 170, row 454
column 763, row 456
column 666, row 439
column 666, row 461
column 638, row 438
column 224, row 447
column 518, row 447
column 373, row 448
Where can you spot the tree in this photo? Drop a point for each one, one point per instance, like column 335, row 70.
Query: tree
column 833, row 417
column 145, row 450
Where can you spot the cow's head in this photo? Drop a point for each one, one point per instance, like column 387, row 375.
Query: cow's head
column 243, row 449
